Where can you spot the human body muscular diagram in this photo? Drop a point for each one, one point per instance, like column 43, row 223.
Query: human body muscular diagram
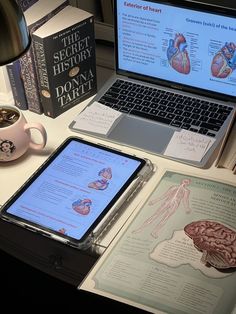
column 172, row 200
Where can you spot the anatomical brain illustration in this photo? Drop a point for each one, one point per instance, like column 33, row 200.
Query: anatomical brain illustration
column 177, row 54
column 224, row 61
column 216, row 241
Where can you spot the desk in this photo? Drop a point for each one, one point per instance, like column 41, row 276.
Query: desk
column 14, row 174
column 48, row 255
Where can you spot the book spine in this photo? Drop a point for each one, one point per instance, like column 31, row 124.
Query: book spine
column 30, row 83
column 28, row 67
column 227, row 152
column 107, row 11
column 42, row 74
column 14, row 69
column 25, row 4
column 17, row 86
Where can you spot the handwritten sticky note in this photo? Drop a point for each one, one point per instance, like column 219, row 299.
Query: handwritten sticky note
column 188, row 145
column 97, row 118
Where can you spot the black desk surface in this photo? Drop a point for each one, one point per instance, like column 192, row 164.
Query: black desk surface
column 25, row 285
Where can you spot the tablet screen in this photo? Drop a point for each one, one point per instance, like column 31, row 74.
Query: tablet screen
column 75, row 188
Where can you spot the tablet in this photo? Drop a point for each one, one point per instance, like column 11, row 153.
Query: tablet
column 79, row 188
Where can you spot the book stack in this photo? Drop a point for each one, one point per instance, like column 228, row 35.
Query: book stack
column 59, row 69
column 14, row 72
column 227, row 154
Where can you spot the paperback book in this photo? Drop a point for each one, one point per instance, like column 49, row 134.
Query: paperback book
column 64, row 50
column 14, row 70
column 17, row 86
column 36, row 16
column 227, row 154
column 25, row 4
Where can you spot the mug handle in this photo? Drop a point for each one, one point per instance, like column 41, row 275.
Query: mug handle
column 43, row 132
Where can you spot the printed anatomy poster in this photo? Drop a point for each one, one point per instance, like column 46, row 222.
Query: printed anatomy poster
column 178, row 255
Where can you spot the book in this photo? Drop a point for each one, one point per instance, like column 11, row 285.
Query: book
column 35, row 16
column 90, row 6
column 14, row 71
column 66, row 63
column 176, row 252
column 107, row 11
column 25, row 4
column 227, row 153
column 17, row 86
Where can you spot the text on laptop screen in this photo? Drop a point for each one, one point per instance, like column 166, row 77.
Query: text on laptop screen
column 179, row 45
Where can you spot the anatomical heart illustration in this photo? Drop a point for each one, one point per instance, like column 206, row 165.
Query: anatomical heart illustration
column 102, row 184
column 177, row 54
column 216, row 241
column 106, row 173
column 224, row 61
column 82, row 206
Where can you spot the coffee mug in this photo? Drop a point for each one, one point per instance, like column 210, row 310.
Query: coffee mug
column 15, row 135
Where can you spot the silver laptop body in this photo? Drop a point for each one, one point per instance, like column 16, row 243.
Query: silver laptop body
column 181, row 50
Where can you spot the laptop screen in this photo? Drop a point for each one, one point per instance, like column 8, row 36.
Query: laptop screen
column 177, row 45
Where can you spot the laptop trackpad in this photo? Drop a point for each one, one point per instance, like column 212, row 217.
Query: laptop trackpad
column 142, row 134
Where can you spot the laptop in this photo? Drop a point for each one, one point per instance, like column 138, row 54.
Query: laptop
column 175, row 70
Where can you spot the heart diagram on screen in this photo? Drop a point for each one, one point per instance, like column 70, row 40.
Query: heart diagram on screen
column 224, row 61
column 177, row 54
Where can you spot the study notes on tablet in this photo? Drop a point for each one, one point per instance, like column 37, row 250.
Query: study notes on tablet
column 79, row 188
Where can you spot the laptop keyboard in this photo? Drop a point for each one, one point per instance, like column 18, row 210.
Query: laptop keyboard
column 173, row 109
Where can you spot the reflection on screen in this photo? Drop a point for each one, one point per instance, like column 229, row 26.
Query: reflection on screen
column 178, row 45
column 71, row 193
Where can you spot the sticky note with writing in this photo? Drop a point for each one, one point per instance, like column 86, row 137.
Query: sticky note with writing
column 188, row 145
column 97, row 118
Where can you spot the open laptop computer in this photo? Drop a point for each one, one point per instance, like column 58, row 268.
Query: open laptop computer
column 180, row 57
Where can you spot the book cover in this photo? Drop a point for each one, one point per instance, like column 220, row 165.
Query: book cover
column 17, row 86
column 36, row 16
column 176, row 253
column 64, row 48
